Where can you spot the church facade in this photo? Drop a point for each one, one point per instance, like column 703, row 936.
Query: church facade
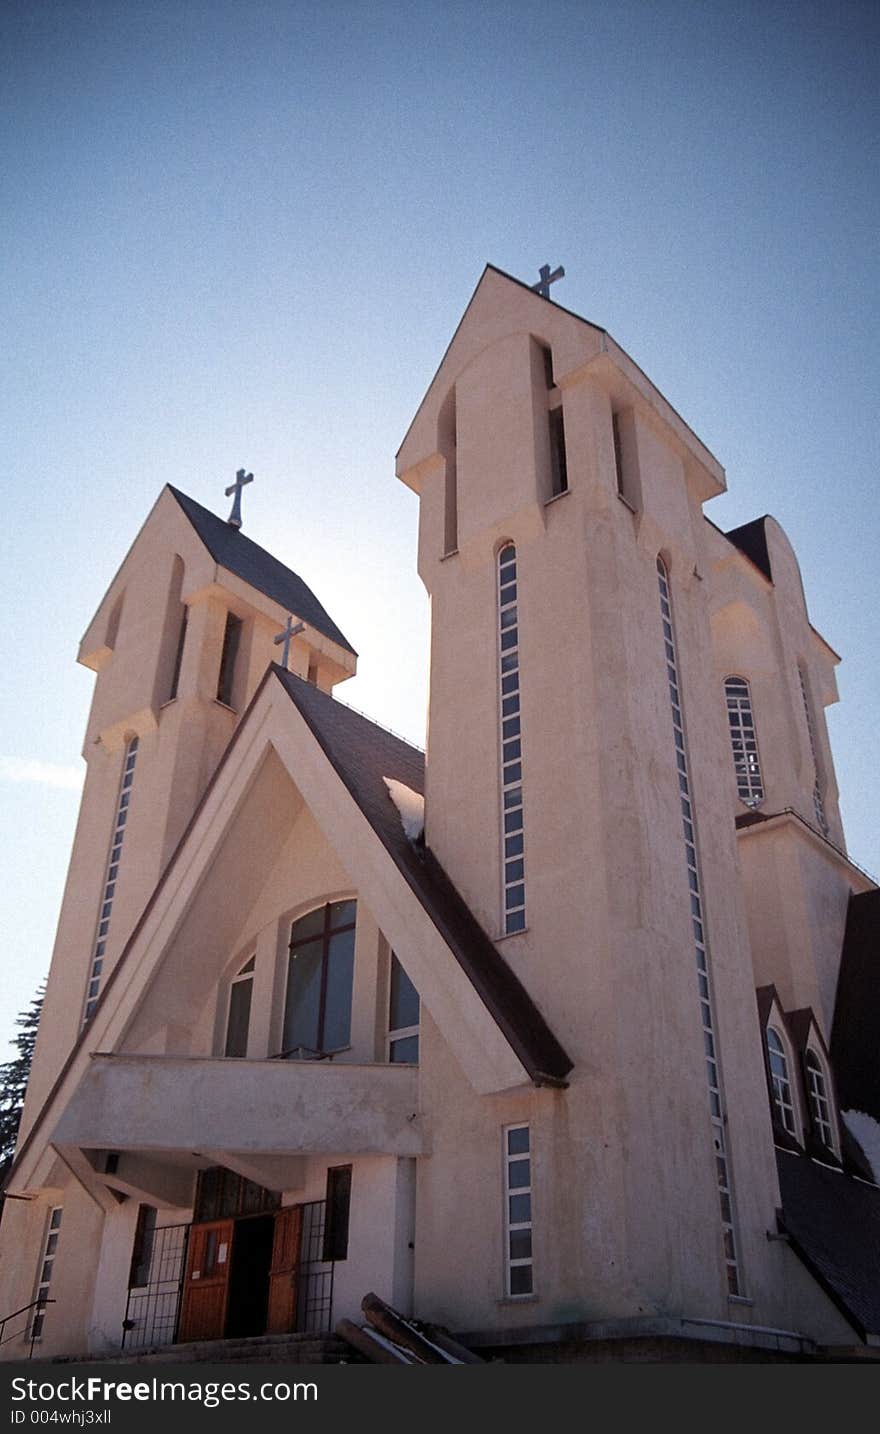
column 560, row 1036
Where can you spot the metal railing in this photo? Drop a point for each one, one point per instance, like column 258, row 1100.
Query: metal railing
column 152, row 1310
column 38, row 1305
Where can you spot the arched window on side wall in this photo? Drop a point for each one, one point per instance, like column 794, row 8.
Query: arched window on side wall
column 818, row 1098
column 744, row 741
column 780, row 1083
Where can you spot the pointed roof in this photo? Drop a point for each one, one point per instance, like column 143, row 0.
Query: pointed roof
column 230, row 548
column 501, row 303
column 363, row 755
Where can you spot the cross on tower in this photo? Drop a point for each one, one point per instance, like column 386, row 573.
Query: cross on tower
column 291, row 629
column 234, row 519
column 543, row 285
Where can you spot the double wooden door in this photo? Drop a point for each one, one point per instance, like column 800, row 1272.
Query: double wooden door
column 204, row 1310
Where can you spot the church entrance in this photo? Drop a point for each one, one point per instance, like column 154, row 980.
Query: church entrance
column 234, row 1264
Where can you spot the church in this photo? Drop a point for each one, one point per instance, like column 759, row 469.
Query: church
column 561, row 1036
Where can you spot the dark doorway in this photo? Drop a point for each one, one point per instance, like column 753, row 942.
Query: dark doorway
column 249, row 1277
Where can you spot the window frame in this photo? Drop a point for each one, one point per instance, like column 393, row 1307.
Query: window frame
column 814, row 1064
column 396, row 1034
column 327, row 932
column 750, row 787
column 511, row 803
column 44, row 1281
column 243, row 976
column 111, row 878
column 510, row 1225
column 780, row 1107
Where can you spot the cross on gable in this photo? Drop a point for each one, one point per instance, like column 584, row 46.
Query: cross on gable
column 241, row 478
column 290, row 630
column 543, row 285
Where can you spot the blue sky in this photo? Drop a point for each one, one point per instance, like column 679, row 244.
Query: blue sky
column 243, row 233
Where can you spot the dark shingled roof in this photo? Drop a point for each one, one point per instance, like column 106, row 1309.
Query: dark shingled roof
column 833, row 1223
column 231, row 549
column 855, row 1035
column 751, row 539
column 362, row 755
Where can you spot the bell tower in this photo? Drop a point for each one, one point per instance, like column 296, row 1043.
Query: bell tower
column 179, row 644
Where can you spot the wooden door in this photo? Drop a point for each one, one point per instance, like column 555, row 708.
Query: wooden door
column 206, row 1282
column 285, row 1270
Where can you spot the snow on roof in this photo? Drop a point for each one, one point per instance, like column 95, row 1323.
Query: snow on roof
column 410, row 805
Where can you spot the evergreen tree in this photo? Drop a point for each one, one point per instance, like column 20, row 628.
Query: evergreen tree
column 14, row 1079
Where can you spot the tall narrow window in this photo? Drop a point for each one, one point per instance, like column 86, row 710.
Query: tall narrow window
column 231, row 641
column 337, row 1213
column 239, row 1014
column 447, row 443
column 514, row 888
column 818, row 803
column 618, row 454
column 701, row 943
column 558, row 464
column 744, row 742
column 317, row 1016
column 820, row 1105
column 518, row 1210
column 142, row 1249
column 780, row 1083
column 403, row 1016
column 178, row 656
column 110, row 880
column 47, row 1262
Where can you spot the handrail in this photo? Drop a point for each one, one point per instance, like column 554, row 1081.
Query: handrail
column 39, row 1303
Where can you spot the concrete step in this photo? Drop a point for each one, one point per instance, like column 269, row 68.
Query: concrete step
column 258, row 1349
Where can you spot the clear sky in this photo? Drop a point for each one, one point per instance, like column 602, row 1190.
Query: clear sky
column 242, row 233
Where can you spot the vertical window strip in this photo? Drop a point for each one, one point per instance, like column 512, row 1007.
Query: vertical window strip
column 818, row 804
column 519, row 1279
column 820, row 1106
column 47, row 1263
column 744, row 741
column 780, row 1082
column 701, row 944
column 513, row 866
column 113, row 864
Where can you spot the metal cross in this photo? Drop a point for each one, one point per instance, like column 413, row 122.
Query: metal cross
column 234, row 519
column 543, row 285
column 290, row 631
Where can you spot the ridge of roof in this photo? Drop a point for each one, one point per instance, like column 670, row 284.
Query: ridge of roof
column 362, row 754
column 230, row 548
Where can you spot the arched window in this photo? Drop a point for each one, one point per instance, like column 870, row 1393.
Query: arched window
column 780, row 1082
column 511, row 744
column 113, row 864
column 317, row 1013
column 743, row 741
column 817, row 1095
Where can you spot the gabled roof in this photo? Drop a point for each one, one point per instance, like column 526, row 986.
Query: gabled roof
column 230, row 548
column 855, row 1035
column 363, row 755
column 833, row 1223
